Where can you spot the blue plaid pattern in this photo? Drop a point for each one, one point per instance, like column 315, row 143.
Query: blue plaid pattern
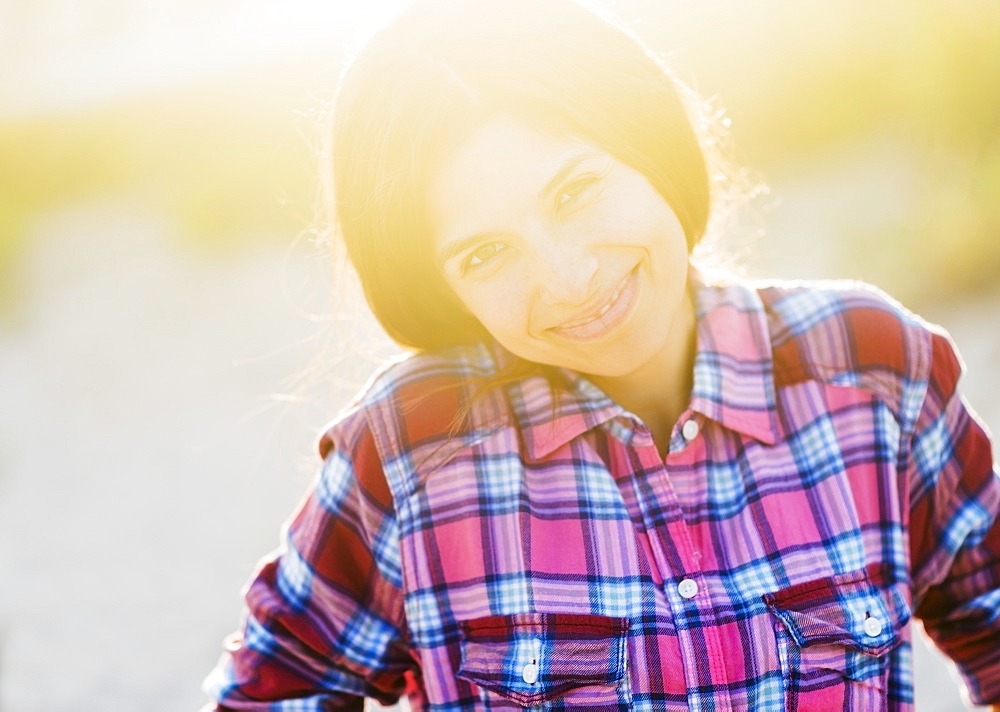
column 542, row 553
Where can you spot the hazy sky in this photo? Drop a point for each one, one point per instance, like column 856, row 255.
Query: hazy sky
column 61, row 54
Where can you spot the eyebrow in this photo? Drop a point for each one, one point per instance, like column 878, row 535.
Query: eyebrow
column 568, row 166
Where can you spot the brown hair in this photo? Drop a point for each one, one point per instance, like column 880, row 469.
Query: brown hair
column 442, row 68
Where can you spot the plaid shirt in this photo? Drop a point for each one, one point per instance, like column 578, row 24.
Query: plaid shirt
column 824, row 484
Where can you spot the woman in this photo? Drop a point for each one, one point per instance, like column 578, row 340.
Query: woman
column 603, row 480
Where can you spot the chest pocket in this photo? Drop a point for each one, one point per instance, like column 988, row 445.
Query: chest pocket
column 547, row 661
column 834, row 636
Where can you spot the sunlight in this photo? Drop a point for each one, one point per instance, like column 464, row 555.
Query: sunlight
column 57, row 57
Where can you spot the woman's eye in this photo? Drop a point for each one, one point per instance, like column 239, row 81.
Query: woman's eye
column 572, row 190
column 483, row 254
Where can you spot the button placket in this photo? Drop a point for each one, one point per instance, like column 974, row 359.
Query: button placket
column 673, row 550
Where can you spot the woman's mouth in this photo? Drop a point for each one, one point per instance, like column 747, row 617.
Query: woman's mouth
column 613, row 312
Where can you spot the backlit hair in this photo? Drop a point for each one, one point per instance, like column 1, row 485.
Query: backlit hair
column 440, row 70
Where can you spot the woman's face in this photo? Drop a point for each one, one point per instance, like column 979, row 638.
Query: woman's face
column 566, row 255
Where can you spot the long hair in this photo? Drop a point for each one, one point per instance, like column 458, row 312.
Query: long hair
column 441, row 69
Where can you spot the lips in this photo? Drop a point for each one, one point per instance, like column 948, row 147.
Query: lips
column 608, row 316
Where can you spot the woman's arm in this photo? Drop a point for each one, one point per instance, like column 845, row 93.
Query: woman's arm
column 955, row 529
column 323, row 623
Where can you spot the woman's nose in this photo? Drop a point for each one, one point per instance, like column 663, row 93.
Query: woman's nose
column 565, row 273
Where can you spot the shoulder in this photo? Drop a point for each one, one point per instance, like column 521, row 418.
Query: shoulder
column 853, row 334
column 420, row 376
column 412, row 401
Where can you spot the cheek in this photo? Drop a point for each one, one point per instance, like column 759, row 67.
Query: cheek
column 664, row 236
column 647, row 218
column 500, row 305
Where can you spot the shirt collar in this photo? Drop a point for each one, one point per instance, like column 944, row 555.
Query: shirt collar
column 733, row 378
column 734, row 365
column 553, row 411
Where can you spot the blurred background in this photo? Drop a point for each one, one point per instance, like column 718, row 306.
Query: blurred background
column 169, row 338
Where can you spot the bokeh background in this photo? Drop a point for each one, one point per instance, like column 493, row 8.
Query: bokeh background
column 169, row 342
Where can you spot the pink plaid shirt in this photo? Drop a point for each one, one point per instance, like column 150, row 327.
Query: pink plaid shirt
column 825, row 484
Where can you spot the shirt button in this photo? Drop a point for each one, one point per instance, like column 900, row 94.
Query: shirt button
column 873, row 627
column 690, row 430
column 530, row 673
column 688, row 588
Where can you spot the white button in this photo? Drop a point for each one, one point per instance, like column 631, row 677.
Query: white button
column 687, row 588
column 530, row 673
column 873, row 627
column 690, row 430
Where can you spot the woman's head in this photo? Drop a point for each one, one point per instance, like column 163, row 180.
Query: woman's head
column 444, row 69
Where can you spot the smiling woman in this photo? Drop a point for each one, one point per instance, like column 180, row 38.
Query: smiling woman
column 434, row 85
column 569, row 258
column 603, row 479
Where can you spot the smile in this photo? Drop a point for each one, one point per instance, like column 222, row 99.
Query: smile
column 612, row 313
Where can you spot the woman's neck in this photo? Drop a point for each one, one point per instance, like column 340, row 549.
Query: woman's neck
column 660, row 390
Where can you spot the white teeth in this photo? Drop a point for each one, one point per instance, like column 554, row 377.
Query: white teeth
column 604, row 309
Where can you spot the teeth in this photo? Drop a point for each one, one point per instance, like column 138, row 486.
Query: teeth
column 604, row 309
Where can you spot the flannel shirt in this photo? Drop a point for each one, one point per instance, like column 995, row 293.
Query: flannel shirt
column 825, row 484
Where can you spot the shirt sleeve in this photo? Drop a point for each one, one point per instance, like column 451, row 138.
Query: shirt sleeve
column 323, row 625
column 955, row 529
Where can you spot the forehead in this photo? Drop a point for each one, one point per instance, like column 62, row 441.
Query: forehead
column 498, row 169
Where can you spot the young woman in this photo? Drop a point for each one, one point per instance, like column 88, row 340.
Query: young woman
column 603, row 480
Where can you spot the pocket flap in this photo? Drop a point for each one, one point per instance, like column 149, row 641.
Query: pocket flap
column 534, row 657
column 845, row 609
